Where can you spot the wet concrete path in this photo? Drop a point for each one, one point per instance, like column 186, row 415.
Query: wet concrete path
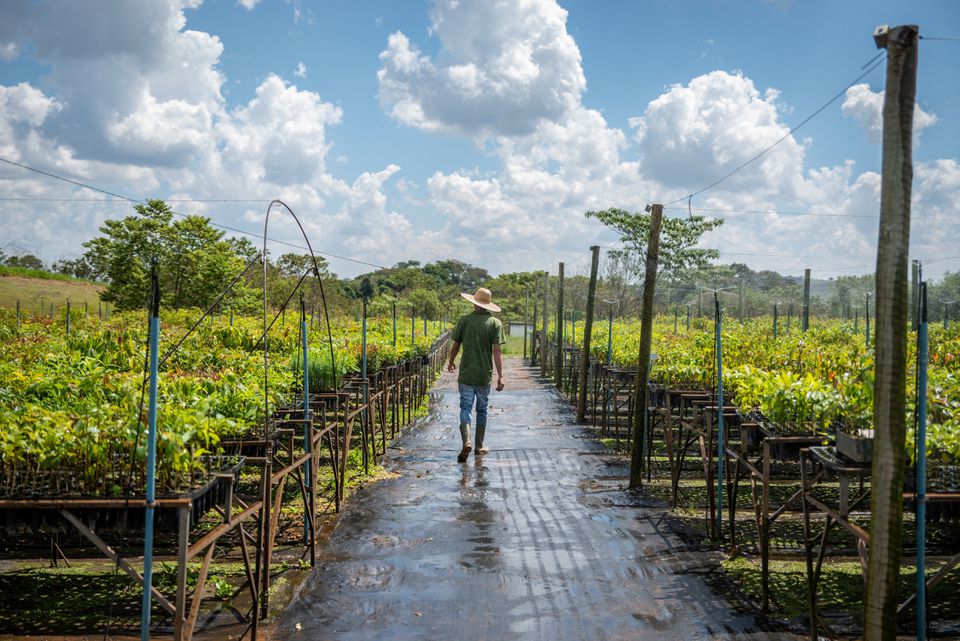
column 536, row 541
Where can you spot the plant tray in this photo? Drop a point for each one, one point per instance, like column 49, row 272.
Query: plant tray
column 786, row 452
column 39, row 514
column 657, row 395
column 750, row 436
column 855, row 448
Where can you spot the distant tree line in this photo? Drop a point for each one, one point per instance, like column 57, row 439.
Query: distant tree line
column 196, row 261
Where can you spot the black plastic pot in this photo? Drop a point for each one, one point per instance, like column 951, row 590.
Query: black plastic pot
column 855, row 448
column 788, row 452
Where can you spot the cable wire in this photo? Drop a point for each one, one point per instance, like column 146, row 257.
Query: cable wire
column 782, row 138
column 221, row 226
column 801, row 213
column 41, row 199
column 283, row 307
column 209, row 310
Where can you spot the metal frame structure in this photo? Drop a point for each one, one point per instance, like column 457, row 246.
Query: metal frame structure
column 397, row 393
column 819, row 464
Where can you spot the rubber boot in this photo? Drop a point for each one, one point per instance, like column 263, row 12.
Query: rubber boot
column 465, row 438
column 481, row 431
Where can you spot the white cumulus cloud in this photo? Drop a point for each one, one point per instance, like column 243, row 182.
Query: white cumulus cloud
column 133, row 102
column 695, row 133
column 866, row 108
column 506, row 67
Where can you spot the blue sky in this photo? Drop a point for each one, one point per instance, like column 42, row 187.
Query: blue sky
column 476, row 130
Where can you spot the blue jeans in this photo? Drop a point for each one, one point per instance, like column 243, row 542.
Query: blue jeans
column 467, row 395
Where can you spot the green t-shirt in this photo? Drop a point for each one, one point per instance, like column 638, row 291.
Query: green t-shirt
column 477, row 333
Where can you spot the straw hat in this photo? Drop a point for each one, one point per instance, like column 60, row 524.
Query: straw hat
column 483, row 299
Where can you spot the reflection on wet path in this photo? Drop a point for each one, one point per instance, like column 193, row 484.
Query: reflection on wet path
column 536, row 540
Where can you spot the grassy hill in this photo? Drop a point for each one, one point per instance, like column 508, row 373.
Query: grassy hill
column 35, row 289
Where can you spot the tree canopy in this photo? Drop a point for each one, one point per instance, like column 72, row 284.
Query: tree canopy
column 194, row 261
column 678, row 239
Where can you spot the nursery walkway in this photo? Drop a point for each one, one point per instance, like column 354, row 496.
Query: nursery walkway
column 535, row 541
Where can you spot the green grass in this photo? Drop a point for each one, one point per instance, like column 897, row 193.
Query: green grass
column 36, row 289
column 840, row 588
column 612, row 444
column 75, row 600
column 42, row 274
column 513, row 346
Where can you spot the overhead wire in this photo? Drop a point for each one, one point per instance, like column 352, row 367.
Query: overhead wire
column 42, row 199
column 823, row 214
column 876, row 63
column 182, row 215
column 283, row 307
column 209, row 309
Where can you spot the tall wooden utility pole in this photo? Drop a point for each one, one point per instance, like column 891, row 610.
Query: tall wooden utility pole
column 646, row 338
column 587, row 330
column 890, row 346
column 558, row 358
column 806, row 300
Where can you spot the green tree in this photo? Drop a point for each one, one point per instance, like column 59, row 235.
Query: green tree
column 424, row 302
column 76, row 267
column 194, row 261
column 509, row 292
column 678, row 239
column 454, row 272
column 366, row 290
column 945, row 297
column 26, row 261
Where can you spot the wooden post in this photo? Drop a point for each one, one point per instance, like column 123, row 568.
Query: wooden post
column 646, row 338
column 741, row 300
column 914, row 293
column 890, row 342
column 806, row 299
column 533, row 323
column 526, row 319
column 558, row 359
column 543, row 329
column 183, row 543
column 587, row 330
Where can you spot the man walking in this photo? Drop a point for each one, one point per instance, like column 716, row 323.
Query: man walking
column 480, row 335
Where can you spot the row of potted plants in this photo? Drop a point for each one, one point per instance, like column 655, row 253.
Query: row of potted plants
column 70, row 405
column 814, row 382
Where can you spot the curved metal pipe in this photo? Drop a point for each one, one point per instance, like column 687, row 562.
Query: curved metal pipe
column 323, row 298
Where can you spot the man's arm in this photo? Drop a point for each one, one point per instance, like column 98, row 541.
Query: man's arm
column 453, row 354
column 498, row 361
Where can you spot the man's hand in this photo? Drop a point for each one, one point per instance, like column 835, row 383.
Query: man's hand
column 451, row 366
column 500, row 383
